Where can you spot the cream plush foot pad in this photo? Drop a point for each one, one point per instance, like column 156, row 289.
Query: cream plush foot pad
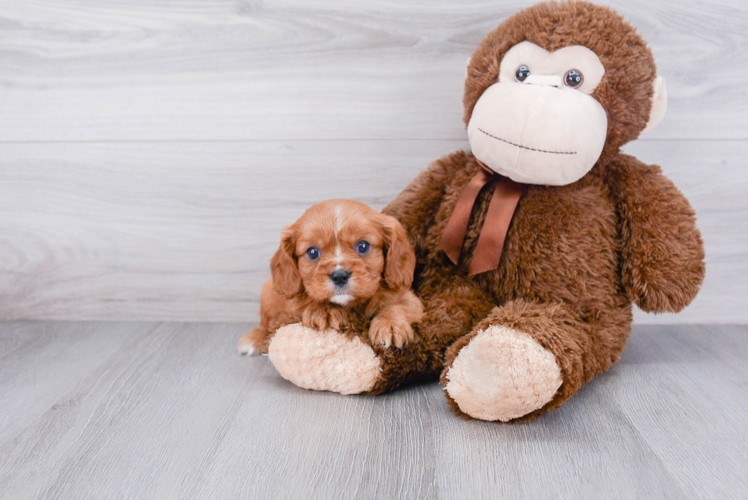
column 323, row 361
column 502, row 374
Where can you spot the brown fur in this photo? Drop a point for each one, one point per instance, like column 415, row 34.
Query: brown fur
column 300, row 289
column 575, row 256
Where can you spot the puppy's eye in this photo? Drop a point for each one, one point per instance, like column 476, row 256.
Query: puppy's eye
column 363, row 247
column 522, row 73
column 313, row 253
column 573, row 79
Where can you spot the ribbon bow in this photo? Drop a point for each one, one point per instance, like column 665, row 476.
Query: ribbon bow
column 493, row 233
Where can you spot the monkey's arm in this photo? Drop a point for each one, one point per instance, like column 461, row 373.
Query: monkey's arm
column 662, row 250
column 417, row 205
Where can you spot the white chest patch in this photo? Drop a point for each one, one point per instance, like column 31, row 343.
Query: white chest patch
column 342, row 299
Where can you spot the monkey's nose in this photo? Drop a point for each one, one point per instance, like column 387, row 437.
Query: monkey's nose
column 550, row 80
column 340, row 277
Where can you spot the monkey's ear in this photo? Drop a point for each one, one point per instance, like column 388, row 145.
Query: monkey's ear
column 659, row 105
column 286, row 277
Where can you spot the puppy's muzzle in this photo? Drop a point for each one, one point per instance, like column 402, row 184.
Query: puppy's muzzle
column 340, row 277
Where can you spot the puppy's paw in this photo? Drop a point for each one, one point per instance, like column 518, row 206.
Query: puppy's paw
column 321, row 317
column 337, row 318
column 387, row 331
column 245, row 347
column 254, row 342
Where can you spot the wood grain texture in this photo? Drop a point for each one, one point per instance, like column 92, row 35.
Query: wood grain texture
column 171, row 411
column 102, row 231
column 227, row 70
column 151, row 154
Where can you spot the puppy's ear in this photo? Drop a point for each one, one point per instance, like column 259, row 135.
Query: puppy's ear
column 400, row 260
column 286, row 277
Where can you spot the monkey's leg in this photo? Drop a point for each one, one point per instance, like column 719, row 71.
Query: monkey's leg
column 350, row 364
column 526, row 358
column 452, row 305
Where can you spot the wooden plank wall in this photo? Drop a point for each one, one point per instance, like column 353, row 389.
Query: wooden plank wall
column 150, row 152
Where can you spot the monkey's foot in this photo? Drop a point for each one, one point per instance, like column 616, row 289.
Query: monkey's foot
column 324, row 360
column 501, row 374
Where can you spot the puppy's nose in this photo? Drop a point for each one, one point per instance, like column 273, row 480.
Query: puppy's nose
column 340, row 276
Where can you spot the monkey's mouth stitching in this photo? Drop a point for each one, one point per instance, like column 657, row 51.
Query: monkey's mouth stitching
column 525, row 147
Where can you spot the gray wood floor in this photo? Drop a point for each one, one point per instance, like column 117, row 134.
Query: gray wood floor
column 168, row 410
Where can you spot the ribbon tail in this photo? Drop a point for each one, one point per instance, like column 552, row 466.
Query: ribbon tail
column 454, row 232
column 501, row 209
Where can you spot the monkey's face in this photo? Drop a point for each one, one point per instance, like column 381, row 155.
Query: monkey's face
column 539, row 124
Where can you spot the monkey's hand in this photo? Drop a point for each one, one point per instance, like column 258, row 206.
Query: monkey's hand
column 662, row 250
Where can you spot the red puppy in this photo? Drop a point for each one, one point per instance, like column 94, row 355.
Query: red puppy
column 341, row 262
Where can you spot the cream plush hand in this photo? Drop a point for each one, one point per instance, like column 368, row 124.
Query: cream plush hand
column 324, row 360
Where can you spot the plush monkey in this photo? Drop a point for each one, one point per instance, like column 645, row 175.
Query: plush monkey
column 532, row 247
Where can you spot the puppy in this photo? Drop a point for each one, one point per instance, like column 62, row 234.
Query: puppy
column 340, row 263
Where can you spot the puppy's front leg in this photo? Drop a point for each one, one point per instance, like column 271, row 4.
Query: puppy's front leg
column 392, row 325
column 323, row 316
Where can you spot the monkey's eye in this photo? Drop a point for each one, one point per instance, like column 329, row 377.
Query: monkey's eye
column 363, row 247
column 573, row 79
column 313, row 253
column 522, row 73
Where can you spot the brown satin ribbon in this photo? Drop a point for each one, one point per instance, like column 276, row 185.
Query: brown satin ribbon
column 493, row 233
